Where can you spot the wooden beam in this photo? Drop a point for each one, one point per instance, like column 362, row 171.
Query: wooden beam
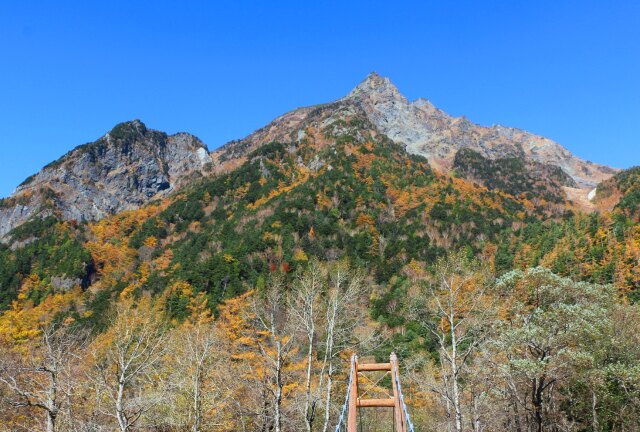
column 371, row 403
column 374, row 367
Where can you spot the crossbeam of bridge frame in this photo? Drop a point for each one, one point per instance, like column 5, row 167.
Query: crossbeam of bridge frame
column 356, row 402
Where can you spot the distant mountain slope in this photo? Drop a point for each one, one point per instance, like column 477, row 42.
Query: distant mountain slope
column 514, row 175
column 549, row 169
column 622, row 193
column 342, row 190
column 122, row 170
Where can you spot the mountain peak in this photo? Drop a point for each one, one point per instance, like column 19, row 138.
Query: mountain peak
column 427, row 131
column 122, row 170
column 375, row 84
column 128, row 130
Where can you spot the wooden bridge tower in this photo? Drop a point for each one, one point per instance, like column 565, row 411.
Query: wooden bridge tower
column 355, row 402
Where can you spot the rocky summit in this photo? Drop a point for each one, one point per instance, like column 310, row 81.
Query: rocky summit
column 434, row 134
column 124, row 169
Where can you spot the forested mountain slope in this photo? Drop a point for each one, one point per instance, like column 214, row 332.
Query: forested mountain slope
column 342, row 238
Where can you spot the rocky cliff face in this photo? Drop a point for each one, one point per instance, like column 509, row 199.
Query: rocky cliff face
column 428, row 131
column 124, row 169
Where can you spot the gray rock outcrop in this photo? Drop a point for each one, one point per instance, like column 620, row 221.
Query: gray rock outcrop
column 124, row 169
column 427, row 131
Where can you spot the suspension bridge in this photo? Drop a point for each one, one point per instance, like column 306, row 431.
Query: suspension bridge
column 360, row 386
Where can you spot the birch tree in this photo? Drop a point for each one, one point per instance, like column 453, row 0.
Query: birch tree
column 125, row 359
column 457, row 312
column 196, row 362
column 305, row 308
column 342, row 315
column 42, row 377
column 324, row 309
column 274, row 322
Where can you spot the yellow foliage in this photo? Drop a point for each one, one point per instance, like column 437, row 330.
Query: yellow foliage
column 299, row 255
column 267, row 236
column 22, row 322
column 323, row 201
column 282, row 188
column 163, row 261
column 364, row 219
column 151, row 242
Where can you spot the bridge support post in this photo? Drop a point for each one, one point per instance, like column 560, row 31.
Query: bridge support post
column 352, row 421
column 398, row 412
column 355, row 402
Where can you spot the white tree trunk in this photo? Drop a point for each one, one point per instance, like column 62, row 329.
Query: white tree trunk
column 197, row 403
column 120, row 414
column 308, row 409
column 327, row 402
column 279, row 384
column 52, row 403
column 454, row 376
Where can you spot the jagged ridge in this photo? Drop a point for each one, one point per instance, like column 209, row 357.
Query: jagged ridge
column 131, row 164
column 428, row 131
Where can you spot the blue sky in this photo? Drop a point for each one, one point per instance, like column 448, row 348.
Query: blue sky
column 69, row 71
